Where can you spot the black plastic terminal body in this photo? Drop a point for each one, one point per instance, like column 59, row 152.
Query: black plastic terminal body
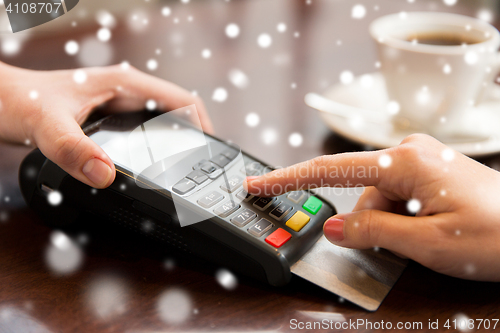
column 128, row 207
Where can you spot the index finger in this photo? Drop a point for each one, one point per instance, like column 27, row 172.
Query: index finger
column 341, row 170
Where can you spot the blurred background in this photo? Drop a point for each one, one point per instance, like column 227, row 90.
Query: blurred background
column 252, row 62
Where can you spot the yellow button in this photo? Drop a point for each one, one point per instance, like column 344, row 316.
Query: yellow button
column 297, row 221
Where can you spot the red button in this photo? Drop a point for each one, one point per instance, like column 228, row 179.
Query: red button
column 278, row 238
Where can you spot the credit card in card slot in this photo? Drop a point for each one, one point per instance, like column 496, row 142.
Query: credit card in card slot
column 363, row 277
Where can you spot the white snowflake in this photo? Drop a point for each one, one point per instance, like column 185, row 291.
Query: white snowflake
column 152, row 64
column 107, row 296
column 252, row 119
column 485, row 15
column 169, row 264
column 269, row 136
column 60, row 240
column 79, row 76
column 450, row 2
column 346, row 77
column 448, row 155
column 471, row 58
column 238, row 78
column 174, row 306
column 147, row 226
column 63, row 256
column 470, row 269
column 93, row 52
column 151, row 104
column 264, row 40
column 447, row 69
column 358, row 11
column 393, row 107
column 206, row 53
column 295, row 139
column 34, row 94
column 55, row 198
column 462, row 322
column 11, row 46
column 220, row 95
column 138, row 20
column 232, row 30
column 413, row 206
column 105, row 19
column 104, row 34
column 125, row 65
column 367, row 80
column 4, row 216
column 71, row 47
column 423, row 96
column 281, row 27
column 384, row 161
column 226, row 279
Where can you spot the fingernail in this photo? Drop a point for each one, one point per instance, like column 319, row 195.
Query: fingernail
column 97, row 171
column 334, row 229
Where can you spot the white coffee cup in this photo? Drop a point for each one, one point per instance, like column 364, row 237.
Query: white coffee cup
column 435, row 85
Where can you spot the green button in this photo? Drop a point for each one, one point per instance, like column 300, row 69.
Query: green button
column 313, row 205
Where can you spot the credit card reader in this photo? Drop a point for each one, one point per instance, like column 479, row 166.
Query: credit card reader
column 193, row 200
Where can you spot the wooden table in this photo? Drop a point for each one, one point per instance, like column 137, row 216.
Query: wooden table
column 279, row 77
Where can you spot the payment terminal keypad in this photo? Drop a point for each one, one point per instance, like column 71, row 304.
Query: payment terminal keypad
column 226, row 209
column 220, row 160
column 210, row 199
column 197, row 176
column 208, row 167
column 244, row 195
column 263, row 203
column 295, row 196
column 232, row 183
column 278, row 237
column 230, row 153
column 259, row 228
column 273, row 221
column 281, row 211
column 184, row 186
column 244, row 217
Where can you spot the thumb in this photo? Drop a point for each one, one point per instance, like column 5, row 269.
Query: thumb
column 63, row 142
column 405, row 235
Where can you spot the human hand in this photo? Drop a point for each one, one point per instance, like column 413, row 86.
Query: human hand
column 456, row 229
column 45, row 109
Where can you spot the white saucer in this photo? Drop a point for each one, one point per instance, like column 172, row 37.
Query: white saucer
column 367, row 95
